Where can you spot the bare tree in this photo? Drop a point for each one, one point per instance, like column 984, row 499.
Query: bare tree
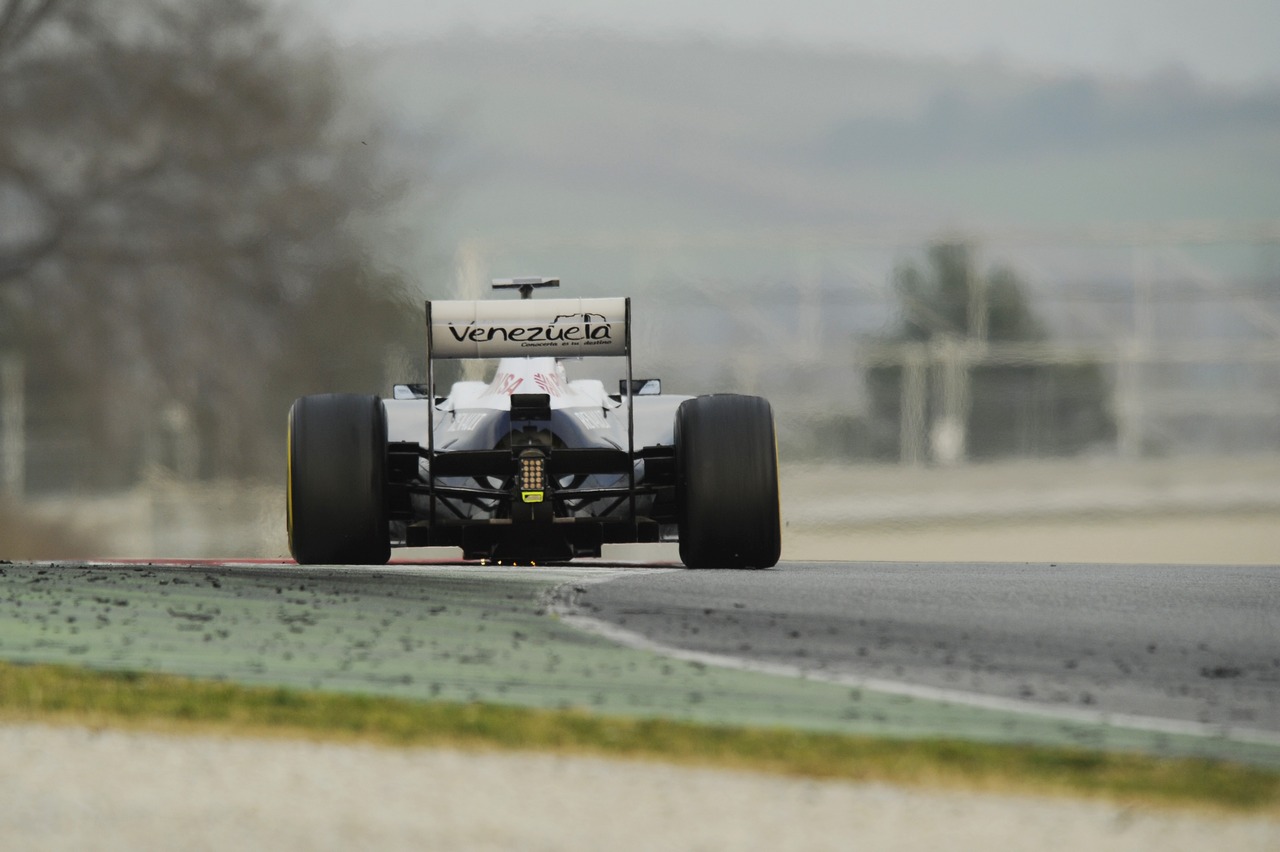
column 1014, row 409
column 176, row 199
column 19, row 19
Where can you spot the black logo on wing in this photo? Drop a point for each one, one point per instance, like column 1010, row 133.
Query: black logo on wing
column 586, row 318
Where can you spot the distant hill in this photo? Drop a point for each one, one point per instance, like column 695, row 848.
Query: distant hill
column 560, row 136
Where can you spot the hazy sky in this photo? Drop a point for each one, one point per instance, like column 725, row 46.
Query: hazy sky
column 1222, row 40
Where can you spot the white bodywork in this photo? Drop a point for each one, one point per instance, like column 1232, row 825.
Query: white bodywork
column 587, row 400
column 529, row 375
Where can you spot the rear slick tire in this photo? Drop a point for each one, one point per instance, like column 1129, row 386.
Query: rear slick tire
column 337, row 480
column 727, row 482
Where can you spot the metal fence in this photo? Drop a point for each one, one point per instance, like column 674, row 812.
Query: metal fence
column 1179, row 327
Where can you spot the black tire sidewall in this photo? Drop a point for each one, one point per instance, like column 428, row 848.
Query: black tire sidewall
column 727, row 482
column 337, row 480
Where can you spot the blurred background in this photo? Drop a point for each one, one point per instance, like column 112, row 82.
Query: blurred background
column 1009, row 272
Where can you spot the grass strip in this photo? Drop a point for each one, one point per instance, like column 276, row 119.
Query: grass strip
column 64, row 694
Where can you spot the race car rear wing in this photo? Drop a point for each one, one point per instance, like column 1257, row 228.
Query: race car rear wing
column 561, row 328
column 564, row 328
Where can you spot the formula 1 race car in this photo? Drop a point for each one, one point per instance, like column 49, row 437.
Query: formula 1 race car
column 531, row 467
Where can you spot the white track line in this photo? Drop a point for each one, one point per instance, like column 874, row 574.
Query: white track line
column 563, row 605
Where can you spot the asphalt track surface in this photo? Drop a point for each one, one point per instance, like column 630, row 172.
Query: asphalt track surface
column 1196, row 644
column 1170, row 659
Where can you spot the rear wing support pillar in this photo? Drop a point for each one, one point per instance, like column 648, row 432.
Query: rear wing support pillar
column 631, row 422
